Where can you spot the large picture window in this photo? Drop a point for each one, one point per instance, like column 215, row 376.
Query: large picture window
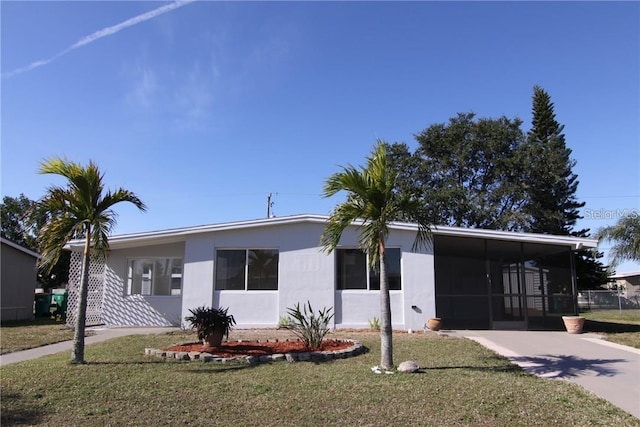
column 353, row 271
column 154, row 276
column 247, row 269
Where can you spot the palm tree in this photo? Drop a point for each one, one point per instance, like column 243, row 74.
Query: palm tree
column 78, row 210
column 625, row 235
column 373, row 202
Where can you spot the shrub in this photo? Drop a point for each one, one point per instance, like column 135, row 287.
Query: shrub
column 374, row 323
column 205, row 320
column 284, row 322
column 310, row 327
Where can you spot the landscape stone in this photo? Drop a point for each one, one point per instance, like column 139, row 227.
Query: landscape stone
column 319, row 356
column 290, row 357
column 409, row 366
column 304, row 357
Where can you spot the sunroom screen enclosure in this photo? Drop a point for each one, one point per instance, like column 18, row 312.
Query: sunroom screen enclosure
column 496, row 284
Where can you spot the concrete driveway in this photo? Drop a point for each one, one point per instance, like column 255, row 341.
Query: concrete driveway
column 609, row 370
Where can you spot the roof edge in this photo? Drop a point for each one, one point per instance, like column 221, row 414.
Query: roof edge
column 20, row 248
column 178, row 234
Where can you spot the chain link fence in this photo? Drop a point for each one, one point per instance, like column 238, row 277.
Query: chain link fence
column 607, row 300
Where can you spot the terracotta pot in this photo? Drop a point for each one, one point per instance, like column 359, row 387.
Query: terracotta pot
column 573, row 324
column 434, row 323
column 214, row 339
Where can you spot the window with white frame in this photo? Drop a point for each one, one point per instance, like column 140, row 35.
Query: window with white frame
column 247, row 269
column 353, row 271
column 154, row 276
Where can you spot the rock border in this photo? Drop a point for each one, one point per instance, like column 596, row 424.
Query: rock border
column 311, row 356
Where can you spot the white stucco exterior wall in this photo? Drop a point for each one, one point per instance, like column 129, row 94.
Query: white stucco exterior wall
column 120, row 309
column 355, row 308
column 305, row 273
column 197, row 274
column 419, row 294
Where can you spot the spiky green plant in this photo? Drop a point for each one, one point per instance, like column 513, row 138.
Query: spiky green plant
column 374, row 323
column 310, row 327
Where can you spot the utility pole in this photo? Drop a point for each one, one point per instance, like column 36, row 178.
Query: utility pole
column 269, row 205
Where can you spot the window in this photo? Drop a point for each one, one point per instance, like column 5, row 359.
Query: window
column 352, row 270
column 154, row 276
column 247, row 269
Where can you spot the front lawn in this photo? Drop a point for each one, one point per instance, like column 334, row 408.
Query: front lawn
column 22, row 335
column 619, row 326
column 463, row 384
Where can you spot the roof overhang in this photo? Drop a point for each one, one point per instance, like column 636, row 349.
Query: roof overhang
column 625, row 275
column 177, row 235
column 20, row 248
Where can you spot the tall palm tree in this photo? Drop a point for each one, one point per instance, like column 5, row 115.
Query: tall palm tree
column 78, row 210
column 625, row 235
column 373, row 202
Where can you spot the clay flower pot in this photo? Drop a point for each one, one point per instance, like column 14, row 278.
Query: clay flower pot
column 573, row 324
column 434, row 323
column 214, row 339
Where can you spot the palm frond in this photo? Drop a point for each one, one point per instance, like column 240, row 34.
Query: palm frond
column 373, row 198
column 52, row 238
column 625, row 236
column 80, row 206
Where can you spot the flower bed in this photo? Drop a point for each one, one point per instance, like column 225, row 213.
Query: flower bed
column 253, row 352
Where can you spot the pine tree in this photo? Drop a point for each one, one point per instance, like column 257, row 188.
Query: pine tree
column 551, row 187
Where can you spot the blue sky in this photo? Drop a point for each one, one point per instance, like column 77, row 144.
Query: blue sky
column 204, row 108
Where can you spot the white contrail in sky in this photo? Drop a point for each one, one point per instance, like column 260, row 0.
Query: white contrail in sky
column 100, row 34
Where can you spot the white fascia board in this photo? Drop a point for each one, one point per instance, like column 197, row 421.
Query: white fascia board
column 174, row 235
column 573, row 242
column 625, row 275
column 179, row 234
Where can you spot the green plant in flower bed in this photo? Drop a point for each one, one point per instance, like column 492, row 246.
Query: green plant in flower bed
column 284, row 322
column 205, row 320
column 374, row 323
column 310, row 327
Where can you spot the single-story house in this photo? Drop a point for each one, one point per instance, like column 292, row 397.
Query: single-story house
column 19, row 275
column 470, row 278
column 630, row 282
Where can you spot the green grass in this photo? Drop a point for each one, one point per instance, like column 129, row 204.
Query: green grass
column 462, row 384
column 619, row 326
column 22, row 335
column 629, row 317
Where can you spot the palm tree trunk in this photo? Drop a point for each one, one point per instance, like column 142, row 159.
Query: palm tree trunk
column 77, row 354
column 386, row 341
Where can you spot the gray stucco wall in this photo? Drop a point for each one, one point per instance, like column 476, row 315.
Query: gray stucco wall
column 18, row 277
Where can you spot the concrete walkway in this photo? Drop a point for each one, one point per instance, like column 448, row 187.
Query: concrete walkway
column 100, row 334
column 611, row 371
